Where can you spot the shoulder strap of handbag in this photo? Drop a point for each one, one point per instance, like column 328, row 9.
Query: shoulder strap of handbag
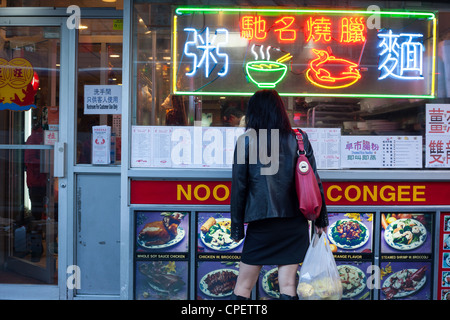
column 299, row 137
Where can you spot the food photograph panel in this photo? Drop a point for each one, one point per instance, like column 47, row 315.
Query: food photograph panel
column 445, row 294
column 446, row 224
column 446, row 242
column 446, row 260
column 406, row 280
column 214, row 233
column 350, row 232
column 216, row 279
column 268, row 287
column 354, row 279
column 161, row 280
column 445, row 279
column 166, row 231
column 406, row 233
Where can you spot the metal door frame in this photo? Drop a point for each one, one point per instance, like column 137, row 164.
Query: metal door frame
column 56, row 18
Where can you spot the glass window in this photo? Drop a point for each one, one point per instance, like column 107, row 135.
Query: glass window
column 29, row 127
column 99, row 87
column 368, row 118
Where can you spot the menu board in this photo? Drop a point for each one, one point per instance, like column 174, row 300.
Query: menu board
column 217, row 256
column 406, row 256
column 444, row 258
column 161, row 255
column 437, row 132
column 381, row 152
column 326, row 145
column 213, row 147
column 182, row 255
column 183, row 147
column 351, row 241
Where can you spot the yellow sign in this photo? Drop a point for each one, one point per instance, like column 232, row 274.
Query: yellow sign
column 18, row 84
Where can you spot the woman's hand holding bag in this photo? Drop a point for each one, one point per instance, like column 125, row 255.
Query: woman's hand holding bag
column 319, row 276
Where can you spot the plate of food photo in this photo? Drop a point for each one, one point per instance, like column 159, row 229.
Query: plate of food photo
column 215, row 233
column 348, row 234
column 353, row 280
column 162, row 233
column 219, row 283
column 404, row 283
column 405, row 234
column 270, row 283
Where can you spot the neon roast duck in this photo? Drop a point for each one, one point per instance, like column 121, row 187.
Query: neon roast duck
column 329, row 72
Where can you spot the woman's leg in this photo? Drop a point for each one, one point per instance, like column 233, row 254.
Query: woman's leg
column 287, row 279
column 248, row 275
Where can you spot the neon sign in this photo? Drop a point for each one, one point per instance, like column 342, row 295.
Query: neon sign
column 286, row 32
column 318, row 29
column 327, row 71
column 404, row 60
column 235, row 51
column 253, row 28
column 353, row 30
column 208, row 46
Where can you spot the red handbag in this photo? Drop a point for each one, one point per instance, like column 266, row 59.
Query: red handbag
column 308, row 192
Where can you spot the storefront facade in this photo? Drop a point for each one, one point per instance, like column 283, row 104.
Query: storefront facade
column 138, row 106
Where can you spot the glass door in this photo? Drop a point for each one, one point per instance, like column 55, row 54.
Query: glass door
column 29, row 129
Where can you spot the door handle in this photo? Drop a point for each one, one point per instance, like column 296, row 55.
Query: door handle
column 59, row 160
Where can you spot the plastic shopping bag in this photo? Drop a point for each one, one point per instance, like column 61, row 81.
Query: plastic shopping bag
column 319, row 276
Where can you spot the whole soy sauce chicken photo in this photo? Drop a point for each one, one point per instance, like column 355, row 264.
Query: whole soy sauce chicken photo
column 162, row 231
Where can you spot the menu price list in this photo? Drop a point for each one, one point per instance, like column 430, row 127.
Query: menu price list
column 444, row 258
column 406, row 259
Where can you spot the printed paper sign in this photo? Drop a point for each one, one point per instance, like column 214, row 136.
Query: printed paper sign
column 101, row 145
column 102, row 99
column 437, row 144
column 326, row 145
column 381, row 152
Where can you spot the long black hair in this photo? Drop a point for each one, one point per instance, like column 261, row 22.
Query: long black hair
column 266, row 111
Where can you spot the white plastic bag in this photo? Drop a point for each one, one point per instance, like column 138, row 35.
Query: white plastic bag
column 319, row 276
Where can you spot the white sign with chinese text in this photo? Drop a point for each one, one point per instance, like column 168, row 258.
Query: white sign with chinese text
column 102, row 99
column 50, row 137
column 437, row 133
column 381, row 152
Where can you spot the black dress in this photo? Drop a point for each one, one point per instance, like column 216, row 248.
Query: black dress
column 276, row 241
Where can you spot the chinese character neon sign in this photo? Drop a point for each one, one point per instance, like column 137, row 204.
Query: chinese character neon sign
column 286, row 32
column 233, row 51
column 353, row 30
column 210, row 49
column 401, row 56
column 318, row 29
column 253, row 28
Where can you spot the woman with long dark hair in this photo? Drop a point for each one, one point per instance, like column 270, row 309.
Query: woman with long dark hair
column 263, row 195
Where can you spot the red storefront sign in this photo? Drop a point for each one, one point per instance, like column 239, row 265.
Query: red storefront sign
column 336, row 193
column 387, row 193
column 180, row 192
